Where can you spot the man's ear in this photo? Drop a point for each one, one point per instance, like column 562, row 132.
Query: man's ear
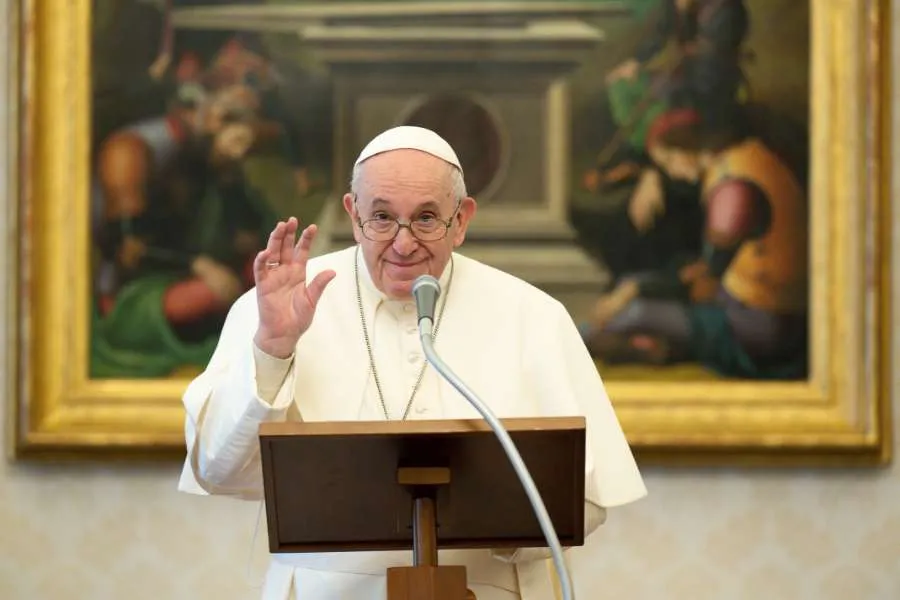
column 349, row 202
column 467, row 210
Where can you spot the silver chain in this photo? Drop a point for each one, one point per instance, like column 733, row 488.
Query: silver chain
column 362, row 318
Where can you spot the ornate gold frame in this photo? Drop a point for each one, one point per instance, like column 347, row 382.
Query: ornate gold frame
column 840, row 417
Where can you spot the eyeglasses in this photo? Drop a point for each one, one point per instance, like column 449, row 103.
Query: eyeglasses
column 426, row 228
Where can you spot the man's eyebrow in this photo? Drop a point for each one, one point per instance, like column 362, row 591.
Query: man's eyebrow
column 382, row 202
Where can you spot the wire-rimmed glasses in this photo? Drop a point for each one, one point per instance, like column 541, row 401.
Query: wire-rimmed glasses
column 427, row 227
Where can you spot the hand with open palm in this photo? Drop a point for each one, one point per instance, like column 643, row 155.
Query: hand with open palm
column 286, row 301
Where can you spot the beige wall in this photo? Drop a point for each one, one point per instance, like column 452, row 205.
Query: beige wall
column 98, row 533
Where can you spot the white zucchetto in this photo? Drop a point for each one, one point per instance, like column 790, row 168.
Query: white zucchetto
column 410, row 137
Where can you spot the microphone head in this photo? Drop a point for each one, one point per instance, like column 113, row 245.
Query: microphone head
column 426, row 291
column 426, row 280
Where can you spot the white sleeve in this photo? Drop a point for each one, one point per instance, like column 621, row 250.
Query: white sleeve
column 569, row 384
column 240, row 388
column 565, row 379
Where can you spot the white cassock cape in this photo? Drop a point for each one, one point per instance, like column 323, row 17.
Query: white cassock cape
column 515, row 347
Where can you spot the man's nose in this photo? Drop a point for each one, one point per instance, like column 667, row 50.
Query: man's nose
column 405, row 243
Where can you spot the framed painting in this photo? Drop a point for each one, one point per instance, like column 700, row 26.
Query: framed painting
column 702, row 183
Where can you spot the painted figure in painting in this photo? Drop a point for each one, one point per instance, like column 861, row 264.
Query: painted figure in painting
column 740, row 307
column 714, row 269
column 176, row 227
column 691, row 57
column 176, row 221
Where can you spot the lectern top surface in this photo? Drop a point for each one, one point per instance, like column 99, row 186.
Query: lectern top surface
column 442, row 426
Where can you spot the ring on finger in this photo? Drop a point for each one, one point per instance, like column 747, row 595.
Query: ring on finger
column 273, row 264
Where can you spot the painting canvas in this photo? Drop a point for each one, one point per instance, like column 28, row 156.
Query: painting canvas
column 676, row 234
column 649, row 163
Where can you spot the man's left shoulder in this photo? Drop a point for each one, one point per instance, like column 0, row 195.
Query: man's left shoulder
column 507, row 288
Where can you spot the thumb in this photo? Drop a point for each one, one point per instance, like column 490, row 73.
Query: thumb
column 317, row 286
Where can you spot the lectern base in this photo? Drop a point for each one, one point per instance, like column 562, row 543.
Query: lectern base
column 428, row 583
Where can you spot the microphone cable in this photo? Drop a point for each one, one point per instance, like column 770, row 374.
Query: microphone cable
column 426, row 323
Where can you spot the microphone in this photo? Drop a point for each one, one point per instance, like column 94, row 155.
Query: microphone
column 426, row 291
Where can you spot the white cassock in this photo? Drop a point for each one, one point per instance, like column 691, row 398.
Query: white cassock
column 516, row 348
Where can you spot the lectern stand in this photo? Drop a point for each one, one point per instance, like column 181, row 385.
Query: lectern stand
column 419, row 485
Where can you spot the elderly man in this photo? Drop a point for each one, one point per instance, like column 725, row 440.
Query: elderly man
column 335, row 338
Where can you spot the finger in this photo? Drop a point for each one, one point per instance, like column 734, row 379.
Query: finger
column 259, row 265
column 317, row 286
column 285, row 252
column 302, row 249
column 276, row 239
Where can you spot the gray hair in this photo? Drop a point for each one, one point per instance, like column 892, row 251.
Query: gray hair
column 457, row 181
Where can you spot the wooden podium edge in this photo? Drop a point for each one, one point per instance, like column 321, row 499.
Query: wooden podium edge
column 442, row 426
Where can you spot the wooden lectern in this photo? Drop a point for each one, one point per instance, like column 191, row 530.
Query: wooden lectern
column 421, row 485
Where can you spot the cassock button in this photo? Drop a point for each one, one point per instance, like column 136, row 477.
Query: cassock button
column 408, row 307
column 421, row 410
column 412, row 329
column 413, row 357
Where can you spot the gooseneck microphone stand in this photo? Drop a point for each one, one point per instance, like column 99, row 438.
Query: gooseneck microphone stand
column 426, row 291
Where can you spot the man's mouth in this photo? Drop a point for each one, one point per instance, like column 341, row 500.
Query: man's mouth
column 405, row 264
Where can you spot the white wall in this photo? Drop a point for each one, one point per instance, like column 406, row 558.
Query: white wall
column 98, row 533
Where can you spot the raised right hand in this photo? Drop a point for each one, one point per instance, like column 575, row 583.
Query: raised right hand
column 286, row 301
